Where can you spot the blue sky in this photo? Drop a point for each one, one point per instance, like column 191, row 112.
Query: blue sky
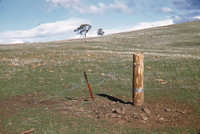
column 48, row 20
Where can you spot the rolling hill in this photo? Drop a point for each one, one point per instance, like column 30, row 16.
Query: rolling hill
column 43, row 89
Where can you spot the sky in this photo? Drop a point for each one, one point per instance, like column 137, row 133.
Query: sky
column 24, row 21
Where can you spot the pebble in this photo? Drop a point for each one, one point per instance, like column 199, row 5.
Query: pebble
column 125, row 117
column 114, row 115
column 161, row 119
column 147, row 111
column 168, row 110
column 106, row 116
column 143, row 116
column 183, row 112
column 98, row 117
column 136, row 116
column 118, row 111
column 112, row 103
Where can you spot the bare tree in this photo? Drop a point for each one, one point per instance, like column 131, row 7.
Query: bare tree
column 83, row 29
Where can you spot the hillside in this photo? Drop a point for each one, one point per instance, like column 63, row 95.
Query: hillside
column 43, row 89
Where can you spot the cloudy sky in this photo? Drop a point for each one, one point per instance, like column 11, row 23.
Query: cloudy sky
column 48, row 20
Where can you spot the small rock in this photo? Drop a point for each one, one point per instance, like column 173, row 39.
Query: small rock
column 157, row 115
column 136, row 116
column 143, row 121
column 98, row 117
column 95, row 111
column 77, row 115
column 102, row 74
column 166, row 121
column 168, row 110
column 89, row 70
column 147, row 111
column 183, row 112
column 115, row 115
column 160, row 104
column 112, row 103
column 118, row 116
column 161, row 119
column 143, row 116
column 121, row 122
column 106, row 116
column 89, row 116
column 125, row 117
column 123, row 111
column 47, row 83
column 112, row 115
column 148, row 124
column 117, row 110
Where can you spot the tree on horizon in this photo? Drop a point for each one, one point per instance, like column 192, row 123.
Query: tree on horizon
column 100, row 32
column 83, row 29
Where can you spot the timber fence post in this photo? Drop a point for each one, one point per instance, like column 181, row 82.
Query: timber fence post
column 138, row 78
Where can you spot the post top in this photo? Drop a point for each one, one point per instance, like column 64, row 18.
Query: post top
column 138, row 53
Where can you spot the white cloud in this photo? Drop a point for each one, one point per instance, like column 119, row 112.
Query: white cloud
column 79, row 6
column 86, row 8
column 121, row 6
column 166, row 10
column 197, row 17
column 145, row 25
column 17, row 41
column 99, row 9
column 65, row 3
column 184, row 18
column 43, row 32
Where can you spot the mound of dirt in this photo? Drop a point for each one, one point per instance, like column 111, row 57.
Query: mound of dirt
column 154, row 114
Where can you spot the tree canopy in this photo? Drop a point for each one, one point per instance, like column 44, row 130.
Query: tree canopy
column 83, row 29
column 100, row 32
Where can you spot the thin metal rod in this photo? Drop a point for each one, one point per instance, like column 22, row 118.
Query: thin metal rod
column 89, row 87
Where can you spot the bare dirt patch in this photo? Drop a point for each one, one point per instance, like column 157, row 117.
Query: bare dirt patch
column 13, row 105
column 154, row 114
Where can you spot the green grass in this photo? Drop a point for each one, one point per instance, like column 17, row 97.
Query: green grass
column 56, row 70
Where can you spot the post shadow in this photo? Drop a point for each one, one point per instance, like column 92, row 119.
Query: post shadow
column 69, row 98
column 114, row 98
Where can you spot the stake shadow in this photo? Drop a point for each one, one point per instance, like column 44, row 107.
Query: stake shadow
column 114, row 99
column 74, row 99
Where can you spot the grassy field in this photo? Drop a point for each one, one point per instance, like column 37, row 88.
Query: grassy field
column 43, row 89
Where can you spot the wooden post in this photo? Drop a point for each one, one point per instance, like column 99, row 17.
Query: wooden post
column 138, row 78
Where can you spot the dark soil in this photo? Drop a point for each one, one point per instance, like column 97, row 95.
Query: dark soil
column 153, row 114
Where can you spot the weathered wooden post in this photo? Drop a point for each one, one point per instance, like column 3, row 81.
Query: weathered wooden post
column 138, row 78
